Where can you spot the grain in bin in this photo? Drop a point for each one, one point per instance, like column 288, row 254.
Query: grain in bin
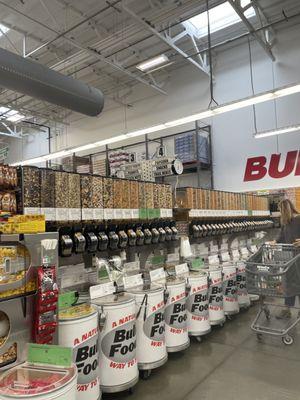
column 197, row 304
column 117, row 342
column 78, row 328
column 29, row 381
column 177, row 338
column 150, row 323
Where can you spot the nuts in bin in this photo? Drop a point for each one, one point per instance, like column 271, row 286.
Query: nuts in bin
column 9, row 356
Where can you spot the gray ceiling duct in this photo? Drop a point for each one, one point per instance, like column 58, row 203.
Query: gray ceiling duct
column 38, row 81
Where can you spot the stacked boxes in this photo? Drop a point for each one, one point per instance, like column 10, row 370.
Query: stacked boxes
column 192, row 146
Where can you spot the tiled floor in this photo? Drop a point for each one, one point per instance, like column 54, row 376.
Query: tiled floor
column 229, row 364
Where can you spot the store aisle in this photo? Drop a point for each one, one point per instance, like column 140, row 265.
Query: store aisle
column 229, row 364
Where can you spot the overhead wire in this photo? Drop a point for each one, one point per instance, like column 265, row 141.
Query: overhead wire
column 211, row 81
column 252, row 84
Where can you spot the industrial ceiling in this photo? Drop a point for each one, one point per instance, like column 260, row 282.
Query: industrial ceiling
column 101, row 42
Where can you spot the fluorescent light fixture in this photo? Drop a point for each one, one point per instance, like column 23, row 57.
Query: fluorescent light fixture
column 220, row 17
column 279, row 131
column 3, row 29
column 222, row 109
column 3, row 110
column 111, row 140
column 58, row 154
column 152, row 63
column 151, row 129
column 84, row 147
column 15, row 117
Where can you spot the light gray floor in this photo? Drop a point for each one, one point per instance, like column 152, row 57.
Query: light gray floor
column 230, row 364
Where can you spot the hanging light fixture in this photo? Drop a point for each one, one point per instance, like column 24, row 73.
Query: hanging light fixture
column 218, row 110
column 278, row 131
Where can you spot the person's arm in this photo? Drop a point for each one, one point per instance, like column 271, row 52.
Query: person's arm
column 280, row 238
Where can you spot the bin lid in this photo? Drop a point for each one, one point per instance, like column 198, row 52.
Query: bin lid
column 76, row 312
column 113, row 299
column 174, row 280
column 29, row 380
column 147, row 287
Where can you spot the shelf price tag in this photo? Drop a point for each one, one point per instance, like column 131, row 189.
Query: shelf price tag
column 132, row 281
column 104, row 289
column 131, row 266
column 67, row 299
column 174, row 257
column 143, row 214
column 213, row 260
column 197, row 263
column 236, row 254
column 151, row 213
column 158, row 260
column 50, row 355
column 181, row 269
column 157, row 274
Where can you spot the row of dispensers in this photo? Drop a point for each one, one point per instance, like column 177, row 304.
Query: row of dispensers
column 199, row 229
column 91, row 238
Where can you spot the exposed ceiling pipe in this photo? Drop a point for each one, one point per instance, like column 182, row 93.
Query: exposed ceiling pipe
column 36, row 80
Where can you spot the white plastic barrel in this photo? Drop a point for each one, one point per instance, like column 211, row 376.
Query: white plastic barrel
column 78, row 328
column 177, row 338
column 241, row 282
column 27, row 381
column 215, row 295
column 230, row 299
column 197, row 304
column 117, row 351
column 151, row 345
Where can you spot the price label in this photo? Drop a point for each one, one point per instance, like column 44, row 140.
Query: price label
column 104, row 289
column 173, row 257
column 131, row 266
column 87, row 214
column 157, row 274
column 213, row 260
column 118, row 213
column 32, row 211
column 109, row 213
column 127, row 214
column 197, row 263
column 225, row 256
column 62, row 214
column 67, row 299
column 132, row 281
column 98, row 214
column 135, row 213
column 50, row 355
column 181, row 269
column 158, row 260
column 50, row 213
column 143, row 214
column 235, row 254
column 74, row 214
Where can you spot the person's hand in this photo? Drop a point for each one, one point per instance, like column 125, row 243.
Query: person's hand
column 297, row 243
column 272, row 242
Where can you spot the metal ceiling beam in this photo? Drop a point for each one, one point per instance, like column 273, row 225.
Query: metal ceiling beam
column 167, row 40
column 236, row 5
column 89, row 50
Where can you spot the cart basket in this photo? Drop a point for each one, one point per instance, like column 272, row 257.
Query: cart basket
column 274, row 271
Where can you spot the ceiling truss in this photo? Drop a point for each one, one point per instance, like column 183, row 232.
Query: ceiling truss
column 262, row 40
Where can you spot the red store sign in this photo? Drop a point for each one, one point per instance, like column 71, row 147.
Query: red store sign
column 259, row 167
